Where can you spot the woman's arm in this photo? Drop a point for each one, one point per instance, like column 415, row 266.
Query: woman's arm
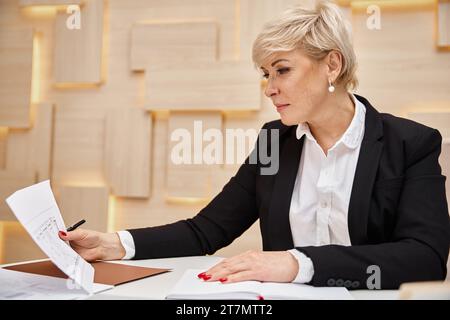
column 224, row 219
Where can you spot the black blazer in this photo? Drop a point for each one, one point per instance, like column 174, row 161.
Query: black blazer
column 398, row 216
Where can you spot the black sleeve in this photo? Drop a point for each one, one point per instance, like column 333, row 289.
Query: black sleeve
column 419, row 247
column 224, row 219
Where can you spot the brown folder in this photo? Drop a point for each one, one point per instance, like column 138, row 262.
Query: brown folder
column 105, row 273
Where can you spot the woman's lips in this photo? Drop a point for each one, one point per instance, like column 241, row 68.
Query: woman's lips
column 281, row 107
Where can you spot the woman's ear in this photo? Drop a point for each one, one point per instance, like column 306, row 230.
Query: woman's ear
column 334, row 63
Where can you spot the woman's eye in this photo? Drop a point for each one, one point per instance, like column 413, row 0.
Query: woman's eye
column 279, row 71
column 283, row 70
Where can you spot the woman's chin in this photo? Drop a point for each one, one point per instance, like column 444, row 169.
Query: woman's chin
column 287, row 121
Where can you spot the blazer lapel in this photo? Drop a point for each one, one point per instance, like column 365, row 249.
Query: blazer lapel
column 280, row 234
column 366, row 171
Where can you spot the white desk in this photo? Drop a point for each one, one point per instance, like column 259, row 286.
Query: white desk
column 157, row 287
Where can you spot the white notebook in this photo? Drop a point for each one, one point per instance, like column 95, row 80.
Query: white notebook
column 190, row 287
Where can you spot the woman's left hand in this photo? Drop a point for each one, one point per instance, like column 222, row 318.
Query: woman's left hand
column 273, row 266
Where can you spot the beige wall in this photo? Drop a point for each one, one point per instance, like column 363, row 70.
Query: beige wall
column 92, row 119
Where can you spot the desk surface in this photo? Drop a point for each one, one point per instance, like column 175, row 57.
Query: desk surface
column 157, row 287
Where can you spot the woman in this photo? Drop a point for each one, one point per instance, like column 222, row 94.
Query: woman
column 355, row 189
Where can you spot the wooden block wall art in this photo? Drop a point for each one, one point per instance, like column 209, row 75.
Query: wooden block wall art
column 224, row 13
column 391, row 5
column 89, row 203
column 127, row 152
column 2, row 242
column 78, row 146
column 203, row 86
column 26, row 3
column 18, row 246
column 153, row 43
column 189, row 175
column 436, row 120
column 443, row 25
column 386, row 76
column 252, row 16
column 78, row 52
column 10, row 182
column 3, row 143
column 31, row 150
column 16, row 56
column 343, row 3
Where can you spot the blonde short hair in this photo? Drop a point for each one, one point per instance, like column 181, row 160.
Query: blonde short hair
column 316, row 31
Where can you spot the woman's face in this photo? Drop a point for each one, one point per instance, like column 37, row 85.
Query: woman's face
column 297, row 85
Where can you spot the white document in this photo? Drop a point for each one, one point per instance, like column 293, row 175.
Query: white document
column 191, row 287
column 36, row 209
column 17, row 285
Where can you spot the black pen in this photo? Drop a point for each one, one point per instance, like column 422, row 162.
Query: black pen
column 76, row 225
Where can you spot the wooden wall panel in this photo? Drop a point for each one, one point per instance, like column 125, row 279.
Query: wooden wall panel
column 127, row 152
column 443, row 24
column 90, row 203
column 203, row 86
column 197, row 179
column 2, row 242
column 25, row 3
column 3, row 143
column 252, row 16
column 223, row 12
column 16, row 56
column 78, row 52
column 30, row 150
column 153, row 43
column 78, row 146
column 18, row 245
column 400, row 70
column 11, row 181
column 41, row 148
column 391, row 5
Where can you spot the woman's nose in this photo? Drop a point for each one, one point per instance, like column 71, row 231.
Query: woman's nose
column 270, row 89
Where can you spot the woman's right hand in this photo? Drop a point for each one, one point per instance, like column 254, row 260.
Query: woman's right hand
column 94, row 245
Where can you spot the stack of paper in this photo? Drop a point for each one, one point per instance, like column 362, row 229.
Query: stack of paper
column 17, row 285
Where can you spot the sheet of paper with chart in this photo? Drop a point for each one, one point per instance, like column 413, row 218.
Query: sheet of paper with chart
column 36, row 209
column 15, row 285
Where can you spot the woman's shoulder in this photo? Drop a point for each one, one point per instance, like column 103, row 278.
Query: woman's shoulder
column 416, row 141
column 397, row 128
column 406, row 129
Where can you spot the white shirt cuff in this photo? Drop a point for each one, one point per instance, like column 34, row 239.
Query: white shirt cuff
column 128, row 243
column 305, row 267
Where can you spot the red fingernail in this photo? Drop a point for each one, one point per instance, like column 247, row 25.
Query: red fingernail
column 206, row 277
column 223, row 280
column 63, row 233
column 260, row 298
column 201, row 275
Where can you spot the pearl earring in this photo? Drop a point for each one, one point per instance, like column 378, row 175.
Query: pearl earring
column 330, row 87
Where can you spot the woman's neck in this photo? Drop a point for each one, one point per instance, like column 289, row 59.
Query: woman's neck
column 334, row 119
